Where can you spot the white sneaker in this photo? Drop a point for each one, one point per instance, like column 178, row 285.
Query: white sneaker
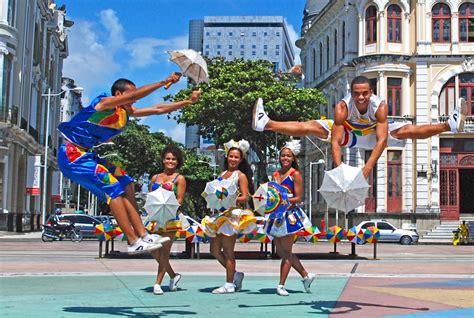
column 259, row 117
column 174, row 282
column 141, row 246
column 157, row 290
column 155, row 238
column 457, row 119
column 307, row 282
column 282, row 291
column 238, row 278
column 224, row 290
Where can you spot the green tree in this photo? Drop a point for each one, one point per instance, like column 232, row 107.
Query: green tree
column 137, row 151
column 224, row 110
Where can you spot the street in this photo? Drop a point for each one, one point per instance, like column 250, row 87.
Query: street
column 65, row 279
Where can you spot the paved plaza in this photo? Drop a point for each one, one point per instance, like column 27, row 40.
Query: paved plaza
column 65, row 279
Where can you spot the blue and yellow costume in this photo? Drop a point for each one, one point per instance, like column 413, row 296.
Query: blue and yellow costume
column 294, row 219
column 232, row 221
column 80, row 163
column 172, row 225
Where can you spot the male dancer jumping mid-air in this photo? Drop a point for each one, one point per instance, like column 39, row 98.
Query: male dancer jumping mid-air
column 360, row 121
column 103, row 119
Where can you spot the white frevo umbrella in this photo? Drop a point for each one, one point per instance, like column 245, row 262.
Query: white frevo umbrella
column 344, row 188
column 220, row 194
column 161, row 206
column 191, row 64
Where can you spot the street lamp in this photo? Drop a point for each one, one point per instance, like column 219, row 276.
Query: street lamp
column 46, row 145
column 324, row 162
column 214, row 166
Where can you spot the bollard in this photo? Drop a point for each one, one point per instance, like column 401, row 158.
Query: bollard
column 353, row 249
column 375, row 250
column 100, row 249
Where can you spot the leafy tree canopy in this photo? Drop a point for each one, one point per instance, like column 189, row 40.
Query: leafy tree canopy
column 224, row 110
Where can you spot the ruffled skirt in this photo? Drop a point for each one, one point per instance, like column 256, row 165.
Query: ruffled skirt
column 230, row 222
column 177, row 224
column 286, row 223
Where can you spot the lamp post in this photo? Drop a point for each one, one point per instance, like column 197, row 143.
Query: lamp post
column 324, row 162
column 46, row 146
column 214, row 166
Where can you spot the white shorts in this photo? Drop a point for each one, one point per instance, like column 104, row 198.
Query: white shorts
column 363, row 138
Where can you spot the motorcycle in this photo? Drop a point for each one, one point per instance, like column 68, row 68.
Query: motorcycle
column 68, row 230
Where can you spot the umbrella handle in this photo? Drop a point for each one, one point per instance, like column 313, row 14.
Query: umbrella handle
column 168, row 85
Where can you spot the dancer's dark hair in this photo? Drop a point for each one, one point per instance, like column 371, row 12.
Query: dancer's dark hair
column 176, row 151
column 244, row 166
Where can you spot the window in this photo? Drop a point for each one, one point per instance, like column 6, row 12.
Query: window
column 384, row 226
column 394, row 181
column 394, row 93
column 343, row 39
column 218, row 46
column 207, row 53
column 254, row 53
column 277, row 53
column 441, row 20
column 242, row 46
column 265, row 33
column 371, row 200
column 335, row 46
column 370, row 25
column 207, row 46
column 394, row 20
column 278, row 34
column 264, row 52
column 327, row 53
column 277, row 47
column 242, row 33
column 241, row 53
column 6, row 82
column 231, row 33
column 207, row 33
column 218, row 34
column 230, row 46
column 230, row 53
column 254, row 33
column 254, row 46
column 466, row 22
column 367, row 225
column 447, row 98
column 314, row 64
column 320, row 58
column 218, row 52
column 264, row 46
column 373, row 85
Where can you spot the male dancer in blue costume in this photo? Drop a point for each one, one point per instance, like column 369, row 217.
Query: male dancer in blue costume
column 103, row 119
column 360, row 121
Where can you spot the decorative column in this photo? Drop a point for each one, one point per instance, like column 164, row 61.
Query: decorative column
column 406, row 107
column 406, row 33
column 361, row 35
column 382, row 32
column 382, row 85
column 455, row 32
column 428, row 33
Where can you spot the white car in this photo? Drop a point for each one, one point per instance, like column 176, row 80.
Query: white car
column 389, row 233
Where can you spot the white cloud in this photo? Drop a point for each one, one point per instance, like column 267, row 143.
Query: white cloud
column 178, row 133
column 96, row 51
column 293, row 37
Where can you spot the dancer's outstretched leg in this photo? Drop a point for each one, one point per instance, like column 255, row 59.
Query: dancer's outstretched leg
column 261, row 122
column 454, row 124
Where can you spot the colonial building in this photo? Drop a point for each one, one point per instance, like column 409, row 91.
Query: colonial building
column 33, row 44
column 418, row 56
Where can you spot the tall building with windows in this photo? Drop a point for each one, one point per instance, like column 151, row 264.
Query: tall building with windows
column 247, row 37
column 33, row 44
column 418, row 57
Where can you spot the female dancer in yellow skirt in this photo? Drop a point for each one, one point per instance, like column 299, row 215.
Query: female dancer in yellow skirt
column 170, row 180
column 283, row 227
column 224, row 227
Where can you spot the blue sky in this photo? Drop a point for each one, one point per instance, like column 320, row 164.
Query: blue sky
column 128, row 38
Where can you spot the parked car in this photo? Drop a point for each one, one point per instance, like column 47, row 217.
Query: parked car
column 390, row 233
column 107, row 219
column 83, row 222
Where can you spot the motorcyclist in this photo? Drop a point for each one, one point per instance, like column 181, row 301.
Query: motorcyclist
column 59, row 224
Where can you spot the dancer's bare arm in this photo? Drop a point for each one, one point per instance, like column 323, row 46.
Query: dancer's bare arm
column 165, row 108
column 337, row 132
column 180, row 189
column 298, row 180
column 381, row 133
column 132, row 96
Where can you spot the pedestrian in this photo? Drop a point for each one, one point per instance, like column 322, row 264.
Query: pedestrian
column 283, row 226
column 464, row 231
column 361, row 121
column 103, row 119
column 171, row 180
column 224, row 227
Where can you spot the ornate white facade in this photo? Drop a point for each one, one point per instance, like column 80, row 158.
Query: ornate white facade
column 418, row 54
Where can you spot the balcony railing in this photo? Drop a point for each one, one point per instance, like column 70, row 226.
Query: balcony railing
column 9, row 115
column 469, row 125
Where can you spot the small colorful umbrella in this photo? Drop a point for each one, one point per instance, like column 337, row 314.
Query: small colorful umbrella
column 119, row 235
column 354, row 235
column 374, row 234
column 334, row 234
column 104, row 231
column 271, row 197
column 245, row 238
column 192, row 64
column 312, row 234
column 195, row 234
column 263, row 237
column 161, row 206
column 220, row 194
column 151, row 226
